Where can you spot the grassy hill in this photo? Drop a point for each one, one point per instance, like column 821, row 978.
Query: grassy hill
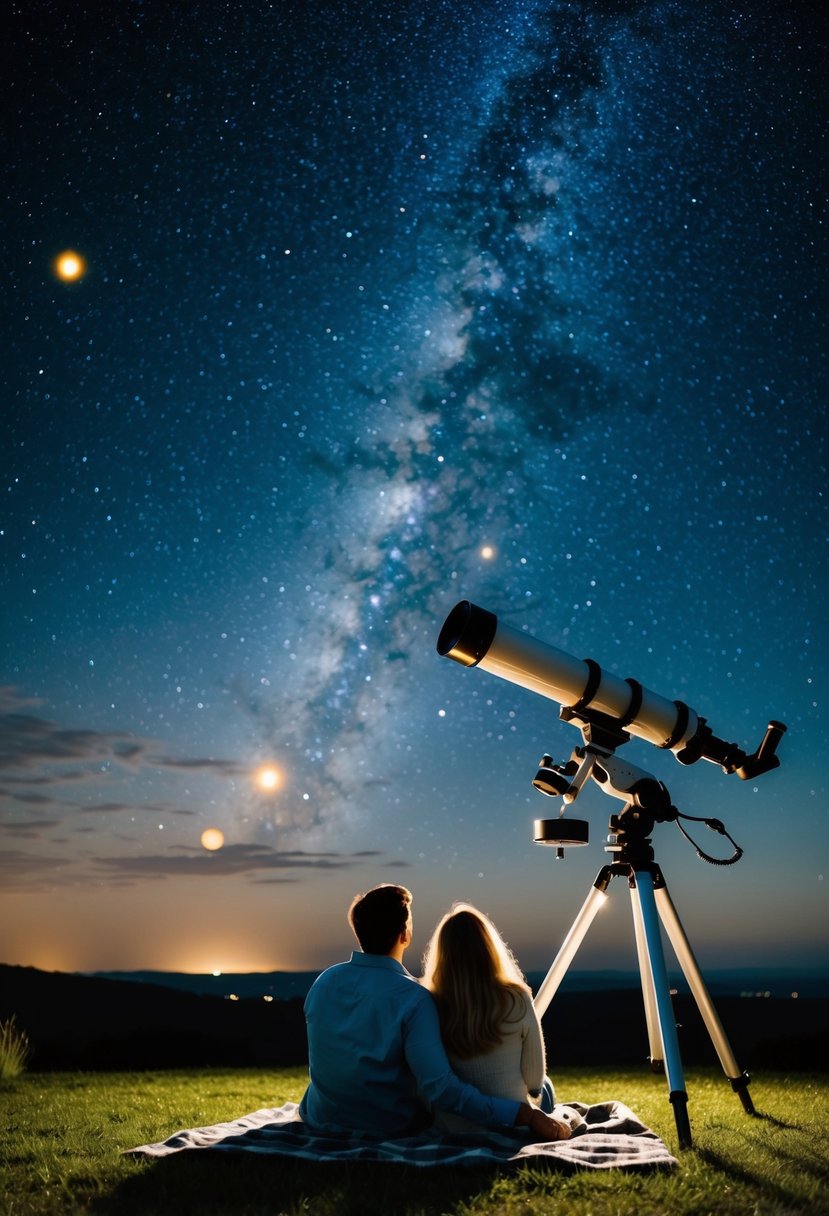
column 63, row 1134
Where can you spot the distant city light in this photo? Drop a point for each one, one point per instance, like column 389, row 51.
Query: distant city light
column 69, row 266
column 212, row 839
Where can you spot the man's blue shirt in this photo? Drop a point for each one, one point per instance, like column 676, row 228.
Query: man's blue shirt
column 375, row 1055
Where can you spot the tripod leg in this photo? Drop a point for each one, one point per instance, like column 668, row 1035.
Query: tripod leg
column 648, row 993
column 571, row 943
column 682, row 948
column 677, row 1094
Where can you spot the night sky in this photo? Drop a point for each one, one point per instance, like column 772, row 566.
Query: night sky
column 380, row 306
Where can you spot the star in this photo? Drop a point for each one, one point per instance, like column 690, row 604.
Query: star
column 69, row 266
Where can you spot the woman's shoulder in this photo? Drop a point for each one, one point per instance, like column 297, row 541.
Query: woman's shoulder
column 521, row 1003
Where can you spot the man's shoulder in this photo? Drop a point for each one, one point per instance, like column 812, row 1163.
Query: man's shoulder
column 331, row 973
column 327, row 978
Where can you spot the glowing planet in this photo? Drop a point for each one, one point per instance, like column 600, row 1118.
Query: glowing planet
column 268, row 778
column 69, row 266
column 487, row 553
column 212, row 839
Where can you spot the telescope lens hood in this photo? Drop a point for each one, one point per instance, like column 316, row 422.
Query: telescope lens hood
column 467, row 634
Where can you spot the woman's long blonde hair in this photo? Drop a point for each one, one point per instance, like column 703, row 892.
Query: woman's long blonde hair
column 476, row 982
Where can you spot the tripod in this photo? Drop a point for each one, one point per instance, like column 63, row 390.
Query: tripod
column 646, row 802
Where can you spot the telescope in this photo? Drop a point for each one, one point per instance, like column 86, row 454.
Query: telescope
column 474, row 637
column 608, row 711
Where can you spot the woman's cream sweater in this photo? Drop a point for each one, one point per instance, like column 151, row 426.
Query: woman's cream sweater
column 515, row 1068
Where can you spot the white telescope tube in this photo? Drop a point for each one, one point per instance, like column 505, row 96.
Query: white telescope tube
column 476, row 638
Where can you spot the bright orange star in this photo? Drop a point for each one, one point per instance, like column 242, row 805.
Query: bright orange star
column 268, row 778
column 69, row 266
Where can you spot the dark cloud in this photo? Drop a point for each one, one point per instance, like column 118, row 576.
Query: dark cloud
column 29, row 829
column 29, row 798
column 231, row 860
column 220, row 768
column 30, row 744
column 152, row 808
column 25, row 871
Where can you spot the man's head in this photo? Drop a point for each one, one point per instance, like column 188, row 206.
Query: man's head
column 380, row 918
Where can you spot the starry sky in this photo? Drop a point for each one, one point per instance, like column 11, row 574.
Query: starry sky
column 376, row 307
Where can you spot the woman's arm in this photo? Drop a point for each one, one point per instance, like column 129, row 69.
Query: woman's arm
column 533, row 1060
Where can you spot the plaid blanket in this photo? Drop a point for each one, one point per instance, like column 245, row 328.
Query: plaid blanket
column 606, row 1135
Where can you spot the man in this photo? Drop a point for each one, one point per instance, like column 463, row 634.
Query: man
column 375, row 1056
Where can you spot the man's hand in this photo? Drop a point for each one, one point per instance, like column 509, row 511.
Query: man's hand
column 542, row 1126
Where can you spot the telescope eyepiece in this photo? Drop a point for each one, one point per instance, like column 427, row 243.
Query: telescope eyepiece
column 550, row 779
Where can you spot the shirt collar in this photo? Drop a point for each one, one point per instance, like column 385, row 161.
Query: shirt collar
column 379, row 960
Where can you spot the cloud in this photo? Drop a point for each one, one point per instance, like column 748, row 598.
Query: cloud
column 219, row 768
column 21, row 871
column 231, row 860
column 35, row 751
column 29, row 829
column 13, row 701
column 150, row 808
column 31, row 799
column 27, row 742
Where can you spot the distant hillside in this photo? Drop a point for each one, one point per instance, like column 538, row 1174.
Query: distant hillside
column 76, row 1021
column 734, row 981
column 281, row 985
column 285, row 985
column 86, row 1022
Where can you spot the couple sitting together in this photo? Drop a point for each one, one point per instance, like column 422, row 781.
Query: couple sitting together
column 461, row 1050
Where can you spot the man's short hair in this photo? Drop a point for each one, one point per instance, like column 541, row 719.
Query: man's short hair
column 379, row 917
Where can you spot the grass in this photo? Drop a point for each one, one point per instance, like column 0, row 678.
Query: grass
column 62, row 1135
column 14, row 1049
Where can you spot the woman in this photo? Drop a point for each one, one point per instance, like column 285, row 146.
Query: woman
column 490, row 1029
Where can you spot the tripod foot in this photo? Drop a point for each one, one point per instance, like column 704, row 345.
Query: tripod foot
column 740, row 1086
column 679, row 1101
